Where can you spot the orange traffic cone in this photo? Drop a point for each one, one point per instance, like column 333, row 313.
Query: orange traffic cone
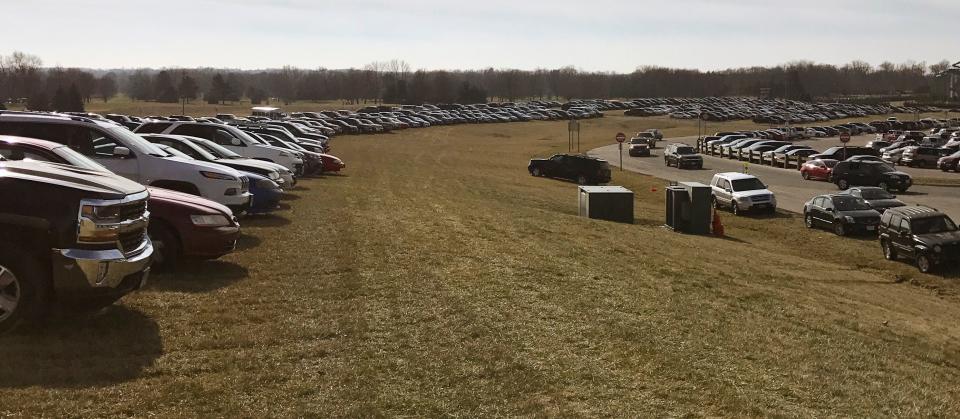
column 653, row 188
column 717, row 225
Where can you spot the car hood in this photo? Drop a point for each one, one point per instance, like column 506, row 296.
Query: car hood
column 247, row 164
column 108, row 184
column 206, row 166
column 885, row 203
column 753, row 193
column 187, row 200
column 940, row 238
column 859, row 213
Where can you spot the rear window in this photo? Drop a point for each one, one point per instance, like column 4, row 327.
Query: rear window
column 152, row 127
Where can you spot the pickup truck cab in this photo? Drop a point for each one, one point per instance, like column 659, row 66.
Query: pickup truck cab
column 741, row 192
column 227, row 136
column 127, row 154
column 80, row 238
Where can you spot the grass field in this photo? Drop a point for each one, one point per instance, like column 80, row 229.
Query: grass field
column 436, row 277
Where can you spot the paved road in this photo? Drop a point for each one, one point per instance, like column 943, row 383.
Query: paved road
column 791, row 190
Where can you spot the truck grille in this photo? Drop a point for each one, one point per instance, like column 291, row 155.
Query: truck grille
column 131, row 211
column 131, row 240
column 760, row 198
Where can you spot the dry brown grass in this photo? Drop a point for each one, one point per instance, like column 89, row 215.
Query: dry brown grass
column 437, row 277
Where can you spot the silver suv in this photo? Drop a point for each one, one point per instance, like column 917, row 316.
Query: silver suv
column 741, row 192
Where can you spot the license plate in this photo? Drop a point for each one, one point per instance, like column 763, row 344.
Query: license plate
column 871, row 228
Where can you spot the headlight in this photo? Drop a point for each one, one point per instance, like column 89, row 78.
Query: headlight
column 215, row 175
column 266, row 184
column 848, row 219
column 209, row 220
column 937, row 248
column 273, row 175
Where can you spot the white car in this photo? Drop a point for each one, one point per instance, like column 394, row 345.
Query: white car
column 229, row 137
column 741, row 192
column 130, row 156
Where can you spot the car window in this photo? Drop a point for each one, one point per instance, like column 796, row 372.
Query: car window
column 152, row 127
column 192, row 130
column 932, row 225
column 818, row 201
column 849, row 203
column 223, row 137
column 20, row 153
column 904, row 225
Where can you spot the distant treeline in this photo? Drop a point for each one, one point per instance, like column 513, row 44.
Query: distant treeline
column 23, row 77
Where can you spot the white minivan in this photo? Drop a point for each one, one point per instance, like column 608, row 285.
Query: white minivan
column 227, row 136
column 132, row 157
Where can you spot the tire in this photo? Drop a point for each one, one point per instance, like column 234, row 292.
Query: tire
column 839, row 229
column 805, row 175
column 581, row 180
column 734, row 208
column 902, row 190
column 924, row 264
column 24, row 289
column 843, row 184
column 167, row 248
column 889, row 253
column 808, row 220
column 536, row 172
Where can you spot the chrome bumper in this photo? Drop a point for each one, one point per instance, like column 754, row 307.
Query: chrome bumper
column 103, row 268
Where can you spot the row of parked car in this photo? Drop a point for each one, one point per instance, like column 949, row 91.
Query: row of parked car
column 93, row 205
column 924, row 235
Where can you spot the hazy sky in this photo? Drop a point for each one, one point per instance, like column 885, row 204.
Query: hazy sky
column 610, row 35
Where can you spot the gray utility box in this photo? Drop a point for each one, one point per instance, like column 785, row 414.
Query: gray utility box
column 688, row 207
column 612, row 203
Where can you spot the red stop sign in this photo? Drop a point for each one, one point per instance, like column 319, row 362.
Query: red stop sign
column 621, row 137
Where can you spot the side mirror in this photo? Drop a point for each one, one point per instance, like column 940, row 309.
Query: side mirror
column 235, row 142
column 121, row 152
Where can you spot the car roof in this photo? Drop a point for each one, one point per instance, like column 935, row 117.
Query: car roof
column 735, row 175
column 918, row 211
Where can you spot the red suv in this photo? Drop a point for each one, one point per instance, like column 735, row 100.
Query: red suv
column 181, row 225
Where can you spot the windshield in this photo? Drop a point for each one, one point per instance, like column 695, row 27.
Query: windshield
column 876, row 194
column 849, row 203
column 638, row 141
column 686, row 150
column 130, row 138
column 175, row 152
column 932, row 225
column 830, row 162
column 74, row 158
column 216, row 149
column 748, row 184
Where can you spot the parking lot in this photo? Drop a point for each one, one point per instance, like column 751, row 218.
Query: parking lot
column 792, row 191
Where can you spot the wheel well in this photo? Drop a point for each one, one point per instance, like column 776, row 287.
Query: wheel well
column 177, row 185
column 159, row 223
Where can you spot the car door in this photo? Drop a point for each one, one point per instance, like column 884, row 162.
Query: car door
column 816, row 210
column 826, row 212
column 724, row 193
column 103, row 148
column 552, row 166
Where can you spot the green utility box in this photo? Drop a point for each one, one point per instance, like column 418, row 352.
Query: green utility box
column 612, row 203
column 689, row 207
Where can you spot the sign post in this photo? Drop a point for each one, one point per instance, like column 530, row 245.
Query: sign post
column 621, row 137
column 844, row 138
column 573, row 127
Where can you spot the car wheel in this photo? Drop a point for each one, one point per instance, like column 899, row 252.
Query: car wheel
column 839, row 229
column 805, row 175
column 22, row 289
column 888, row 251
column 536, row 172
column 166, row 245
column 902, row 190
column 924, row 264
column 843, row 184
column 884, row 186
column 735, row 208
column 808, row 221
column 582, row 180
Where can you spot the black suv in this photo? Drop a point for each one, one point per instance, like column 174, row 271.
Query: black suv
column 843, row 153
column 869, row 173
column 922, row 234
column 683, row 156
column 585, row 170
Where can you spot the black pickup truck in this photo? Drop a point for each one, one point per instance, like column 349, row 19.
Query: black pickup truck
column 68, row 236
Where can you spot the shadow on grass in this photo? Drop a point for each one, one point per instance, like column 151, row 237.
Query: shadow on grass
column 198, row 276
column 264, row 220
column 109, row 347
column 287, row 196
column 246, row 241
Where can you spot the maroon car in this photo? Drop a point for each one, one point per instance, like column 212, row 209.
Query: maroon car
column 181, row 226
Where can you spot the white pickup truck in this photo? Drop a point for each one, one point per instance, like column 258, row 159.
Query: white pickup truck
column 130, row 156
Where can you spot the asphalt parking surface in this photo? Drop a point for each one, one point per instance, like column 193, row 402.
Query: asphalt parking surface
column 791, row 190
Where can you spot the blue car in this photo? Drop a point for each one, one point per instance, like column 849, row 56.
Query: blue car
column 266, row 193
